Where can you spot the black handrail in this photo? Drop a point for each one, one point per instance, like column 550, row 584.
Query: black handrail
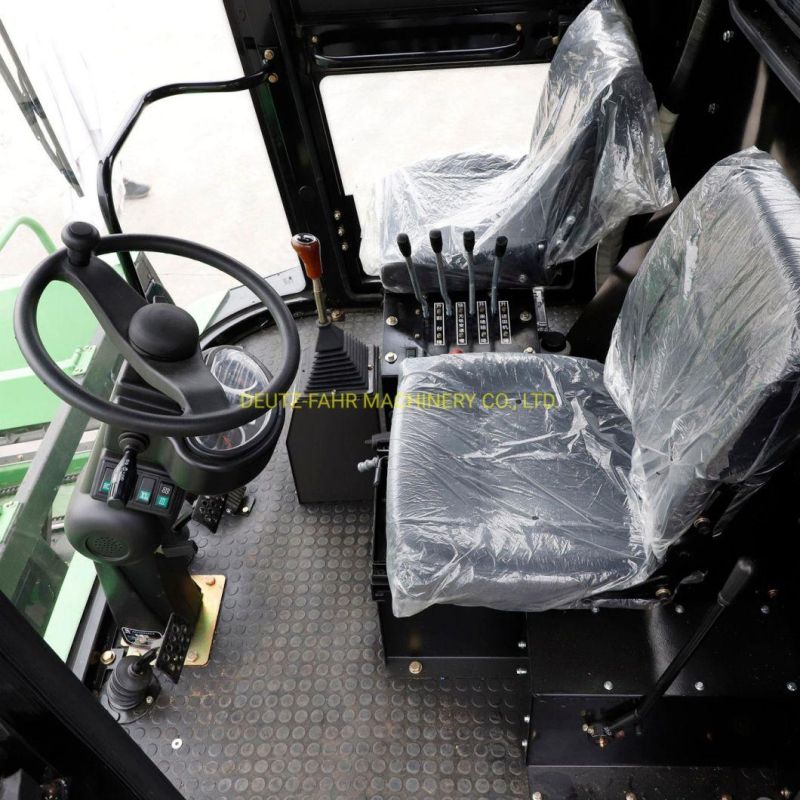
column 106, row 166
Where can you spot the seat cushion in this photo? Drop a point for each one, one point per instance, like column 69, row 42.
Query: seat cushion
column 508, row 484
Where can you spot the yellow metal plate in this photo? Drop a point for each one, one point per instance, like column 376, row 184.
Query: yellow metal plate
column 199, row 653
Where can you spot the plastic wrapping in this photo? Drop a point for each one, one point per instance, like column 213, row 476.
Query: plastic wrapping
column 528, row 507
column 705, row 356
column 596, row 158
column 518, row 505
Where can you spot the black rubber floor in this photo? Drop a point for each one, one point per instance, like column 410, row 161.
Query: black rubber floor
column 295, row 702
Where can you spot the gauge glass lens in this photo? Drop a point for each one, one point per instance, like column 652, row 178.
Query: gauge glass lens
column 240, row 375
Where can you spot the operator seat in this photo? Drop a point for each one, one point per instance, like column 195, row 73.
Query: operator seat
column 531, row 507
column 596, row 158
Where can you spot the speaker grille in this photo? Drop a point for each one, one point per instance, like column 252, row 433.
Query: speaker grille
column 106, row 547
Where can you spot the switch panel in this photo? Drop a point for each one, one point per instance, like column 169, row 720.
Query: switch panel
column 155, row 492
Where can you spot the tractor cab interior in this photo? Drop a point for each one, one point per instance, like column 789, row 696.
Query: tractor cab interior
column 501, row 503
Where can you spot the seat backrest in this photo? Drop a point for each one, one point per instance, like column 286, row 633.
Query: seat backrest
column 705, row 356
column 596, row 158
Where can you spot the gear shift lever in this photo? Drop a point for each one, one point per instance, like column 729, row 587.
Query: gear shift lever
column 404, row 245
column 500, row 245
column 436, row 246
column 469, row 246
column 307, row 248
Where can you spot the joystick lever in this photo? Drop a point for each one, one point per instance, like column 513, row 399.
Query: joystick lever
column 436, row 246
column 469, row 247
column 306, row 245
column 404, row 245
column 500, row 245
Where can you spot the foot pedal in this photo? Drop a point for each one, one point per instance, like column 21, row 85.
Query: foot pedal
column 174, row 647
column 210, row 509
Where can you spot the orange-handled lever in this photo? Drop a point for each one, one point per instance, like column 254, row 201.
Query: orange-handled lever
column 306, row 245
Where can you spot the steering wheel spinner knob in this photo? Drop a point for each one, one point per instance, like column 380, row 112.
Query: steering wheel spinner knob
column 81, row 239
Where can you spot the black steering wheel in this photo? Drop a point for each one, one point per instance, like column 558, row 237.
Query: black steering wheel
column 159, row 340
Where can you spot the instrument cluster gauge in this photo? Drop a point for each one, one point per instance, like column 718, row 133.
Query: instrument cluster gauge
column 240, row 375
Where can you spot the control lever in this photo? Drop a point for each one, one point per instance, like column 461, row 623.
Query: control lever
column 306, row 245
column 613, row 723
column 469, row 246
column 123, row 478
column 500, row 245
column 404, row 244
column 436, row 245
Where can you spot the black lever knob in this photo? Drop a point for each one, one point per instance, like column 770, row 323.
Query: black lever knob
column 404, row 245
column 436, row 240
column 123, row 480
column 500, row 245
column 739, row 578
column 80, row 239
column 469, row 241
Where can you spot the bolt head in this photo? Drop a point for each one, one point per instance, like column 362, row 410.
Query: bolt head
column 522, row 278
column 415, row 667
column 522, row 644
column 786, row 793
column 149, row 699
column 315, row 39
column 713, row 108
column 390, row 358
column 522, row 671
column 210, row 580
column 528, row 350
column 525, row 316
column 727, row 36
column 108, row 657
column 345, row 246
column 526, row 719
column 608, row 686
column 679, row 609
column 192, row 656
column 630, row 796
column 536, row 796
column 272, row 77
column 337, row 215
column 524, row 743
column 518, row 27
column 269, row 55
column 391, row 321
column 699, row 686
column 337, row 314
column 340, row 230
column 765, row 609
column 791, row 686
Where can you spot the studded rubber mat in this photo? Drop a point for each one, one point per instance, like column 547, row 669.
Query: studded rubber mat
column 295, row 702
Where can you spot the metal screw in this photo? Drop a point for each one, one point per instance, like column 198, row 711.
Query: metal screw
column 528, row 350
column 525, row 316
column 727, row 36
column 699, row 686
column 149, row 699
column 177, row 744
column 518, row 27
column 345, row 246
column 337, row 215
column 337, row 314
column 522, row 671
column 340, row 230
column 269, row 55
column 272, row 77
column 391, row 321
column 390, row 358
column 679, row 609
column 765, row 609
column 415, row 667
column 108, row 657
column 314, row 39
column 522, row 644
column 192, row 656
column 211, row 580
column 791, row 686
column 713, row 108
column 608, row 686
